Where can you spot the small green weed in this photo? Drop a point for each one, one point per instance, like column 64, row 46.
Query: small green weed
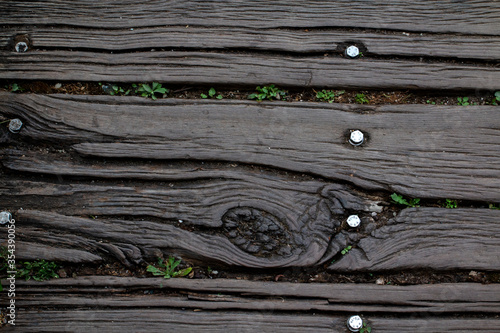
column 464, row 101
column 449, row 203
column 328, row 95
column 397, row 198
column 149, row 91
column 365, row 329
column 430, row 102
column 39, row 270
column 211, row 93
column 14, row 87
column 346, row 250
column 361, row 99
column 496, row 98
column 115, row 90
column 268, row 92
column 494, row 206
column 167, row 269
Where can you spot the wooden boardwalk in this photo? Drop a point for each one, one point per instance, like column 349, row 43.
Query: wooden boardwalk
column 259, row 188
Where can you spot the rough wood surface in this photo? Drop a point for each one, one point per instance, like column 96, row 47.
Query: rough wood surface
column 254, row 222
column 470, row 17
column 432, row 238
column 235, row 69
column 416, row 239
column 274, row 40
column 154, row 320
column 252, row 295
column 417, row 150
column 111, row 303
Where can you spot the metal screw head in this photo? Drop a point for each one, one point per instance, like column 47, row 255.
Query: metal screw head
column 15, row 125
column 354, row 323
column 353, row 221
column 357, row 138
column 21, row 47
column 5, row 217
column 352, row 51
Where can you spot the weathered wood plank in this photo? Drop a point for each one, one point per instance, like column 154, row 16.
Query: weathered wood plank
column 259, row 222
column 252, row 295
column 397, row 246
column 429, row 238
column 471, row 17
column 276, row 40
column 216, row 68
column 417, row 150
column 154, row 320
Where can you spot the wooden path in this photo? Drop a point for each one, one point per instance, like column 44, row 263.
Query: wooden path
column 258, row 188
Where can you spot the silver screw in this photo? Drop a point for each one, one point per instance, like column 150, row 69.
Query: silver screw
column 15, row 125
column 21, row 47
column 354, row 323
column 352, row 51
column 5, row 217
column 353, row 221
column 357, row 138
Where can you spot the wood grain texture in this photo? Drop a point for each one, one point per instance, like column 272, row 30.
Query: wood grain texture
column 417, row 150
column 471, row 17
column 273, row 40
column 426, row 238
column 429, row 238
column 235, row 69
column 154, row 320
column 161, row 320
column 254, row 295
column 253, row 222
column 111, row 303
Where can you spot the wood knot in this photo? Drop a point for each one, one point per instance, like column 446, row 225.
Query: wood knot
column 257, row 232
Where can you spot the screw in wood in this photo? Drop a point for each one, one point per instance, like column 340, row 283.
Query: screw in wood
column 5, row 217
column 15, row 125
column 357, row 138
column 353, row 221
column 352, row 51
column 21, row 47
column 354, row 323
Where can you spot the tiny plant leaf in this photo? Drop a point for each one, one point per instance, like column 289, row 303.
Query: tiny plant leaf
column 168, row 269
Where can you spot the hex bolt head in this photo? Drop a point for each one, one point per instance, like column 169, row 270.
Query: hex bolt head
column 21, row 47
column 357, row 137
column 352, row 51
column 354, row 323
column 353, row 221
column 15, row 125
column 5, row 217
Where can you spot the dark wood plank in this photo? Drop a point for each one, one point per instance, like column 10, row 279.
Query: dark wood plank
column 416, row 239
column 154, row 320
column 435, row 325
column 471, row 17
column 238, row 69
column 253, row 221
column 429, row 238
column 417, row 150
column 253, row 295
column 275, row 40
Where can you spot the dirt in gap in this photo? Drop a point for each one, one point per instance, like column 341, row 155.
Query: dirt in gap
column 370, row 97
